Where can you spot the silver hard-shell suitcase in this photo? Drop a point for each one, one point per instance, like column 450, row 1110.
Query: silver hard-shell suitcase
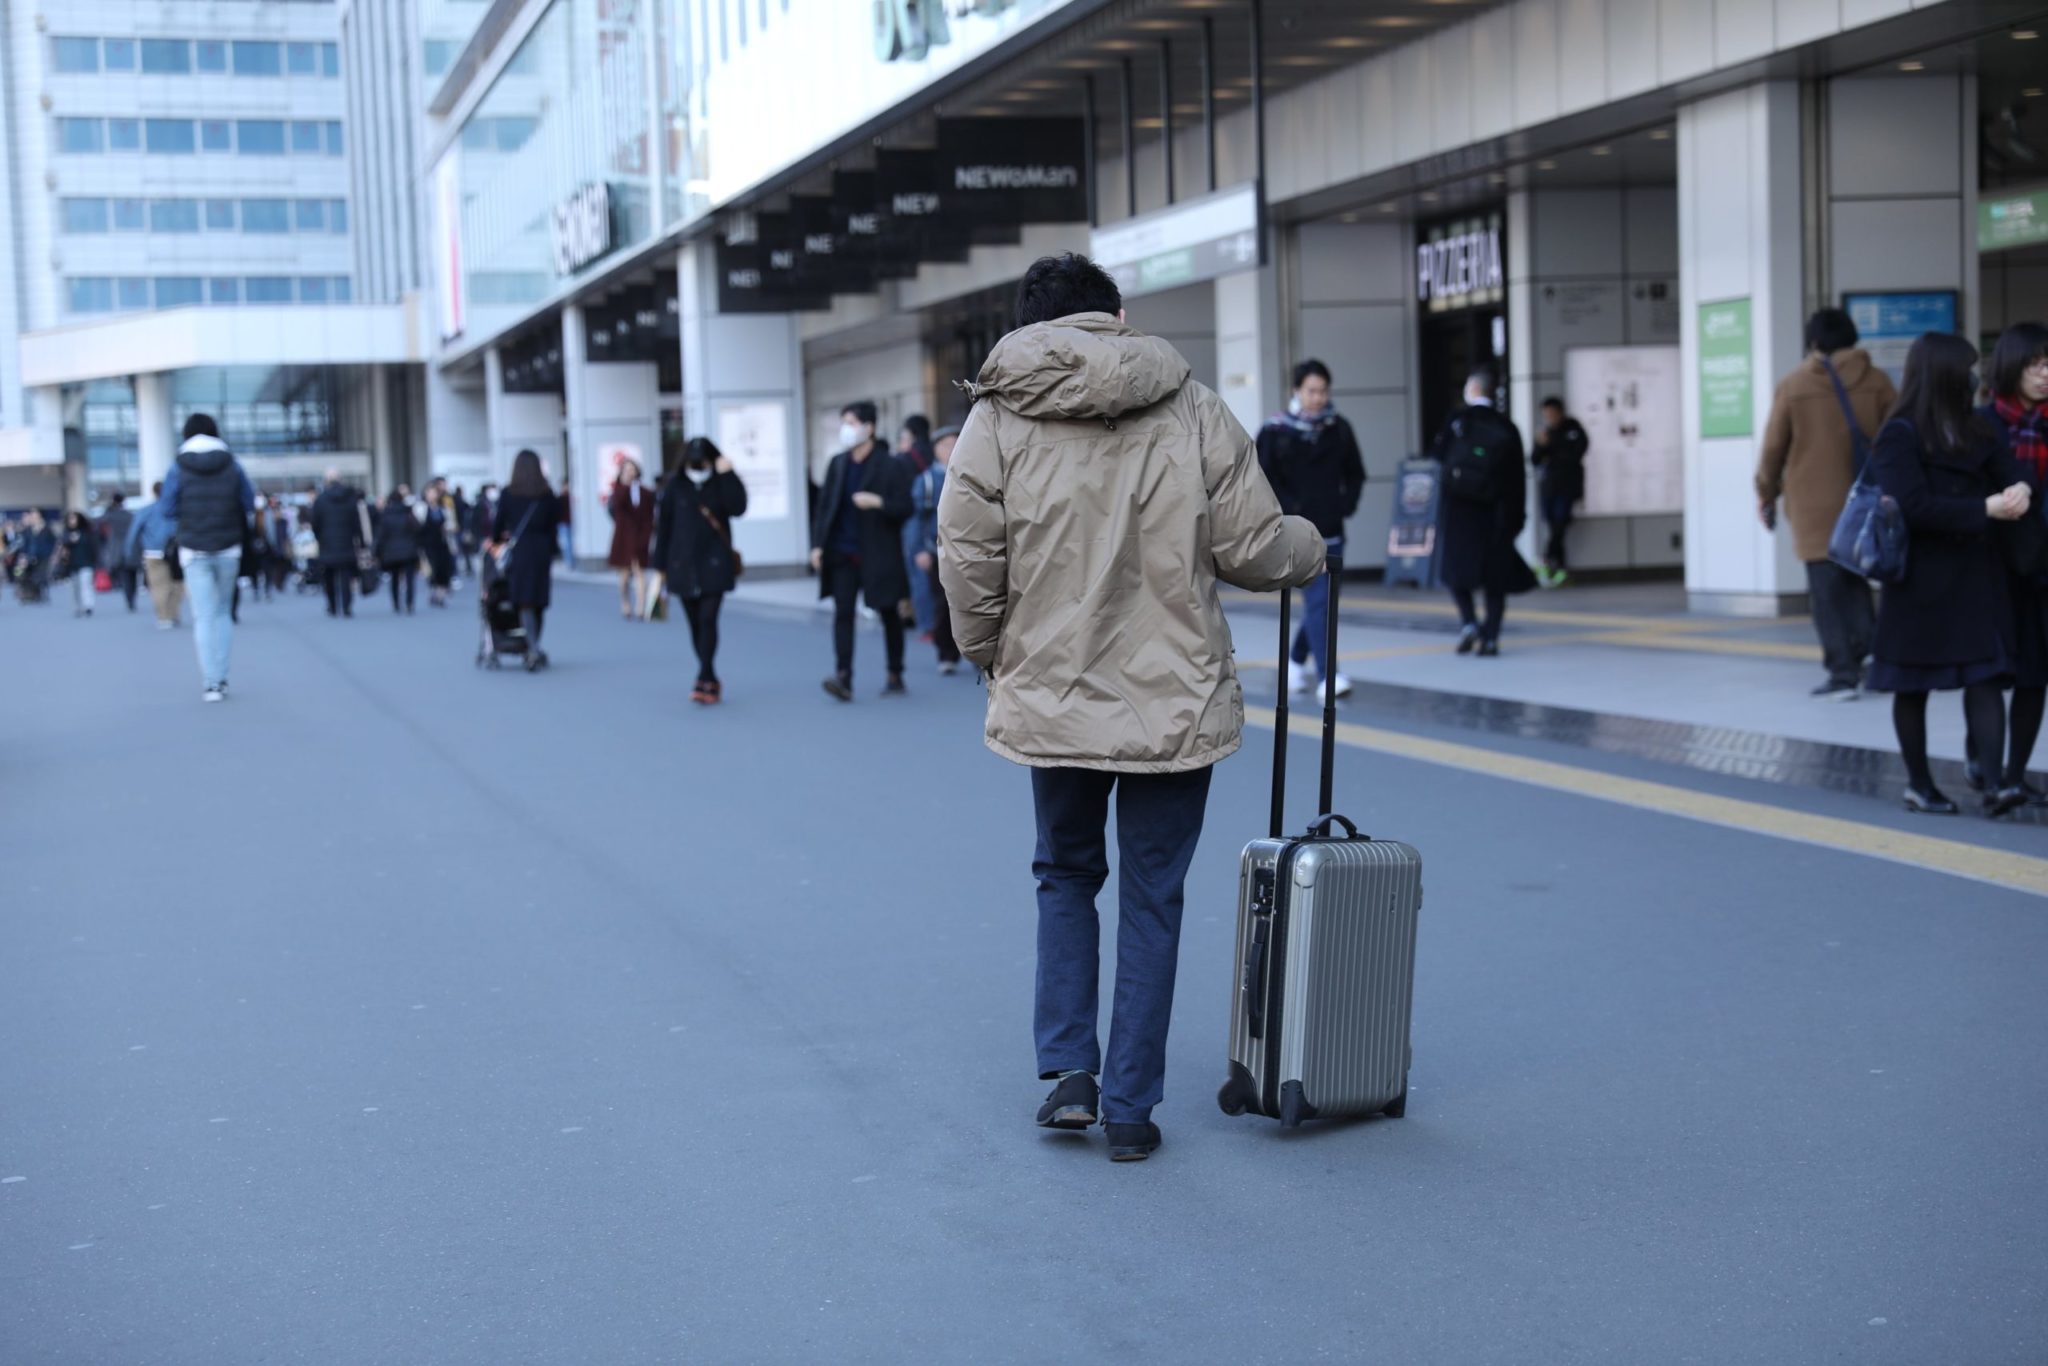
column 1325, row 966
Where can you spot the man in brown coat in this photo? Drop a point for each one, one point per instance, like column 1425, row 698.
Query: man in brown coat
column 1095, row 499
column 1809, row 459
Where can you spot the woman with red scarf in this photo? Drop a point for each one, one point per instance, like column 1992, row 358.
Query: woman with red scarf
column 2019, row 408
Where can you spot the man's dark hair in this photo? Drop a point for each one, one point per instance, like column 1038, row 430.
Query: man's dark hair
column 201, row 424
column 863, row 411
column 1486, row 377
column 2021, row 346
column 157, row 488
column 1831, row 330
column 1310, row 369
column 1061, row 286
column 118, row 498
column 1552, row 402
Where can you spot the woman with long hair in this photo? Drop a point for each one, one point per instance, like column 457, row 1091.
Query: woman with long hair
column 434, row 521
column 398, row 548
column 528, row 513
column 79, row 552
column 2018, row 380
column 1948, row 624
column 693, row 545
column 914, row 448
column 632, row 512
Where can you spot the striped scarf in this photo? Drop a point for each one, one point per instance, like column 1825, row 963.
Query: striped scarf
column 2027, row 431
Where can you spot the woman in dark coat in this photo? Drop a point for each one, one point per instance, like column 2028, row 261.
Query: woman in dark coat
column 528, row 514
column 338, row 525
column 857, row 549
column 632, row 511
column 1949, row 624
column 1478, row 525
column 80, row 551
column 2019, row 408
column 433, row 540
column 693, row 543
column 398, row 548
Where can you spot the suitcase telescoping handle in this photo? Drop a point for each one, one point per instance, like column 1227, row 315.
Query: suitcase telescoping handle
column 1325, row 798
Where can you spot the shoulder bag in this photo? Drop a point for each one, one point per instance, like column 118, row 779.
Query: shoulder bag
column 1870, row 536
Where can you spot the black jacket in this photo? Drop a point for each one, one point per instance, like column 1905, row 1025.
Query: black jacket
column 696, row 557
column 114, row 524
column 336, row 524
column 1318, row 476
column 210, row 500
column 884, row 579
column 398, row 537
column 1563, row 461
column 81, row 550
column 1478, row 538
column 530, row 576
column 1954, row 609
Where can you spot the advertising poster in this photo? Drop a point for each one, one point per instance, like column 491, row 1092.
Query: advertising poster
column 755, row 437
column 1889, row 323
column 1727, row 370
column 1627, row 398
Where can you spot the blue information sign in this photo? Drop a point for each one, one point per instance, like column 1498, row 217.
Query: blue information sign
column 1889, row 324
column 1411, row 539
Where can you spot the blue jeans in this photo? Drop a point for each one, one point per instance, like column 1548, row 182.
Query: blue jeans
column 1315, row 607
column 567, row 543
column 1158, row 821
column 920, row 584
column 210, row 579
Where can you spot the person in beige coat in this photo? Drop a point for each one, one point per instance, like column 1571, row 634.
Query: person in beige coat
column 1096, row 498
column 1809, row 459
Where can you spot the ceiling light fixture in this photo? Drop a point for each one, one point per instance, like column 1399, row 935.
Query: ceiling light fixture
column 2032, row 92
column 2024, row 35
column 1546, row 165
column 1660, row 135
column 1603, row 151
column 1912, row 66
column 1429, row 196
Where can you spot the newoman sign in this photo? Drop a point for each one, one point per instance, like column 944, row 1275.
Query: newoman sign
column 1458, row 265
column 582, row 228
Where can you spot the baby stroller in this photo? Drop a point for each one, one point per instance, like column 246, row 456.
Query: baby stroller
column 502, row 633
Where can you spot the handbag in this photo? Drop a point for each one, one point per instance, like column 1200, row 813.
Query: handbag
column 1870, row 536
column 503, row 558
column 102, row 581
column 739, row 566
column 366, row 555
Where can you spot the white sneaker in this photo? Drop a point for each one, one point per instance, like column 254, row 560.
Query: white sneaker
column 1300, row 678
column 165, row 625
column 1343, row 686
column 212, row 694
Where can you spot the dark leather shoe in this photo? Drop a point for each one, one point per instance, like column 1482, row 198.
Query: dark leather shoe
column 1132, row 1142
column 2005, row 801
column 1489, row 649
column 1072, row 1104
column 1468, row 640
column 1931, row 803
column 1973, row 774
column 839, row 688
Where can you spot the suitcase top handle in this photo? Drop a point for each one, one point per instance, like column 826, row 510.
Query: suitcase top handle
column 1321, row 826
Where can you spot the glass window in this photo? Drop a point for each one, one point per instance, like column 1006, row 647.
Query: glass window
column 166, row 56
column 128, row 215
column 216, row 135
column 258, row 59
column 172, row 135
column 120, row 54
column 124, row 135
column 334, row 148
column 310, row 215
column 131, row 292
column 440, row 55
column 513, row 133
column 330, row 59
column 337, row 215
column 266, row 215
column 343, row 290
column 259, row 137
column 78, row 135
column 220, row 215
column 91, row 294
column 302, row 59
column 174, row 215
column 268, row 289
column 85, row 215
column 306, row 138
column 313, row 289
column 73, row 55
column 176, row 291
column 213, row 54
column 224, row 289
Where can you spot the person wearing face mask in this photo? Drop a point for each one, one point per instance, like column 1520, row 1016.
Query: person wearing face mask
column 2018, row 376
column 632, row 512
column 1311, row 459
column 693, row 546
column 1484, row 509
column 857, row 545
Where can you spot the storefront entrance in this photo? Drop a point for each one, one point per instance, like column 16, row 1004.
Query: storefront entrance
column 1461, row 289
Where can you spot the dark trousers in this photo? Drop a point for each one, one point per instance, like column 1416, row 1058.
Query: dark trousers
column 845, row 583
column 124, row 579
column 340, row 582
column 1158, row 821
column 1844, row 617
column 703, row 617
column 406, row 576
column 1468, row 613
column 942, row 623
column 1557, row 517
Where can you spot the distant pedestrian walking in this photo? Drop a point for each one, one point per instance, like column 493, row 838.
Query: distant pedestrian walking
column 121, row 567
column 631, row 507
column 1560, row 456
column 152, row 542
column 1096, row 498
column 435, row 521
column 857, row 545
column 563, row 530
column 693, row 546
column 398, row 548
column 1808, row 458
column 925, row 495
column 338, row 525
column 78, row 553
column 210, row 499
column 528, row 515
column 1311, row 459
column 914, row 449
column 1485, row 493
column 1949, row 624
column 2018, row 379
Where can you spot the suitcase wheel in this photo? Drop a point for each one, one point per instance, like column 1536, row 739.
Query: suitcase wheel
column 1399, row 1105
column 1227, row 1099
column 1238, row 1093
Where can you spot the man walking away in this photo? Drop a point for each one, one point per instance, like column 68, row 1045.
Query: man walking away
column 1095, row 499
column 1311, row 459
column 150, row 541
column 857, row 545
column 1561, row 456
column 115, row 524
column 924, row 498
column 209, row 497
column 339, row 529
column 1808, row 458
column 1485, row 506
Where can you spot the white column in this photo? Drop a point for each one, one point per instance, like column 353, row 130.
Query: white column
column 156, row 442
column 1248, row 344
column 1740, row 186
column 577, row 457
column 743, row 386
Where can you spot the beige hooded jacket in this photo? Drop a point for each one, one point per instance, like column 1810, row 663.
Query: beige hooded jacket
column 1095, row 498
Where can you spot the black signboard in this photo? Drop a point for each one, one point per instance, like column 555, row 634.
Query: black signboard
column 828, row 254
column 908, row 182
column 762, row 269
column 1013, row 171
column 626, row 327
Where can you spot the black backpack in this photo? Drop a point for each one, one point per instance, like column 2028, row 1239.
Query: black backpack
column 1468, row 469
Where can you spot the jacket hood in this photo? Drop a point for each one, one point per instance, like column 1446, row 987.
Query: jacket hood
column 204, row 455
column 1852, row 365
column 1087, row 365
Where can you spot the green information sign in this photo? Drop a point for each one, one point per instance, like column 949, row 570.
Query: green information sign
column 1727, row 378
column 2012, row 220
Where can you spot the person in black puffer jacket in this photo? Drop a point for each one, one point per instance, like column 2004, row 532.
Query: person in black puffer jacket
column 693, row 546
column 338, row 524
column 209, row 498
column 398, row 547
